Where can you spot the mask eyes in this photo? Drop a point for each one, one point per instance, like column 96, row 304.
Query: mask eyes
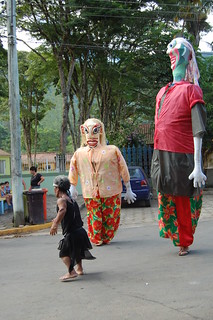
column 172, row 44
column 96, row 130
column 86, row 131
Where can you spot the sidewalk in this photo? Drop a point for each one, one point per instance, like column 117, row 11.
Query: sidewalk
column 148, row 215
column 6, row 224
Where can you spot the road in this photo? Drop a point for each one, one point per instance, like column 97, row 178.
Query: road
column 138, row 276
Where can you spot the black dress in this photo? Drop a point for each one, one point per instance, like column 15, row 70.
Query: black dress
column 75, row 243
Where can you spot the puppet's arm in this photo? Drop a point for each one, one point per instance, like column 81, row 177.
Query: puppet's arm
column 73, row 177
column 197, row 174
column 130, row 196
column 73, row 192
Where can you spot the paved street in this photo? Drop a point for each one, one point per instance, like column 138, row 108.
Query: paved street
column 138, row 276
column 140, row 216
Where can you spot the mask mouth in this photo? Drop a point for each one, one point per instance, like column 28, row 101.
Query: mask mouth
column 173, row 61
column 92, row 142
column 55, row 185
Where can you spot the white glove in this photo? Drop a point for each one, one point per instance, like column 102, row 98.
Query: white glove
column 197, row 174
column 130, row 196
column 73, row 192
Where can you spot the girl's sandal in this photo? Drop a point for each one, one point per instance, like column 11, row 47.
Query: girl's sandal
column 68, row 277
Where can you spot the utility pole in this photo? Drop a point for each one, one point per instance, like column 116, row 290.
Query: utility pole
column 14, row 105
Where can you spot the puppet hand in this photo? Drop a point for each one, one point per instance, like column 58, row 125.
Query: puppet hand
column 73, row 192
column 130, row 196
column 199, row 178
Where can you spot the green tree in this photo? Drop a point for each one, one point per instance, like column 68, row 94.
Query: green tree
column 206, row 83
column 5, row 138
column 33, row 82
column 76, row 32
column 4, row 116
column 110, row 56
column 3, row 72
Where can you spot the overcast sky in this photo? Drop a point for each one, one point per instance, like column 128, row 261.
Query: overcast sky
column 204, row 43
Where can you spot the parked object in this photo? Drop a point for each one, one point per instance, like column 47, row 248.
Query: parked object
column 35, row 206
column 140, row 185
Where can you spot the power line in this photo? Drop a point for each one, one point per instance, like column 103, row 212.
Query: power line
column 135, row 2
column 95, row 46
column 145, row 8
column 152, row 4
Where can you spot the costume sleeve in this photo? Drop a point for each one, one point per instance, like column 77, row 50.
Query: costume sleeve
column 198, row 114
column 123, row 169
column 73, row 172
column 195, row 95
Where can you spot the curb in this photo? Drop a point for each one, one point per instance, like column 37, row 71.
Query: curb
column 25, row 229
column 29, row 228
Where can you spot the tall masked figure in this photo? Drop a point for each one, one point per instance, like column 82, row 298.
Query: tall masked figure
column 100, row 168
column 180, row 119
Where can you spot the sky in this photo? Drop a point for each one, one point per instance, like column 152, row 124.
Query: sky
column 205, row 39
column 203, row 46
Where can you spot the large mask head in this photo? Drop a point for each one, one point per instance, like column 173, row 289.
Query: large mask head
column 183, row 61
column 92, row 133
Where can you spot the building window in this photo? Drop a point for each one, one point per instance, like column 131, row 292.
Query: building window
column 2, row 166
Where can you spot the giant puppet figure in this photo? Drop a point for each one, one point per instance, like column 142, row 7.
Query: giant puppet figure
column 100, row 167
column 177, row 175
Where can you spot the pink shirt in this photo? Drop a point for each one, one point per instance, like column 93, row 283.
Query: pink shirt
column 173, row 127
column 100, row 169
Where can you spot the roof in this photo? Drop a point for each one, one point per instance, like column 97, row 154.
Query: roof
column 4, row 153
column 207, row 54
column 44, row 156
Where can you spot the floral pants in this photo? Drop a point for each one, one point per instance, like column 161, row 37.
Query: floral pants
column 103, row 218
column 178, row 217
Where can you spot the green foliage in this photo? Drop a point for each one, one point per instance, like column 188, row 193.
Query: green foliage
column 49, row 140
column 119, row 49
column 3, row 72
column 3, row 84
column 34, row 83
column 206, row 83
column 5, row 138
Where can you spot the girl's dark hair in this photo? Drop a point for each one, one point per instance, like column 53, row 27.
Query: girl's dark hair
column 33, row 168
column 62, row 182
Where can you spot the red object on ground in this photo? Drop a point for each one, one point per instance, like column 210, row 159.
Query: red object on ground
column 45, row 202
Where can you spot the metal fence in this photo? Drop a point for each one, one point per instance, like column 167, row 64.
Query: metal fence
column 134, row 156
column 61, row 163
column 139, row 156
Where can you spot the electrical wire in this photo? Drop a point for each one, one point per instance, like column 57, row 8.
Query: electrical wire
column 131, row 11
column 146, row 7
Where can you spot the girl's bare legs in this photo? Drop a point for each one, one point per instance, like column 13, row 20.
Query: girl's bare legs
column 79, row 268
column 68, row 275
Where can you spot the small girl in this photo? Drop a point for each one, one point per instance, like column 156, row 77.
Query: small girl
column 75, row 245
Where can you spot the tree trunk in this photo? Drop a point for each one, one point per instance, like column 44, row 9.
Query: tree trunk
column 27, row 141
column 36, row 133
column 65, row 94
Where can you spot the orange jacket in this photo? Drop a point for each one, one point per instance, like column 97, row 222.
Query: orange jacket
column 100, row 169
